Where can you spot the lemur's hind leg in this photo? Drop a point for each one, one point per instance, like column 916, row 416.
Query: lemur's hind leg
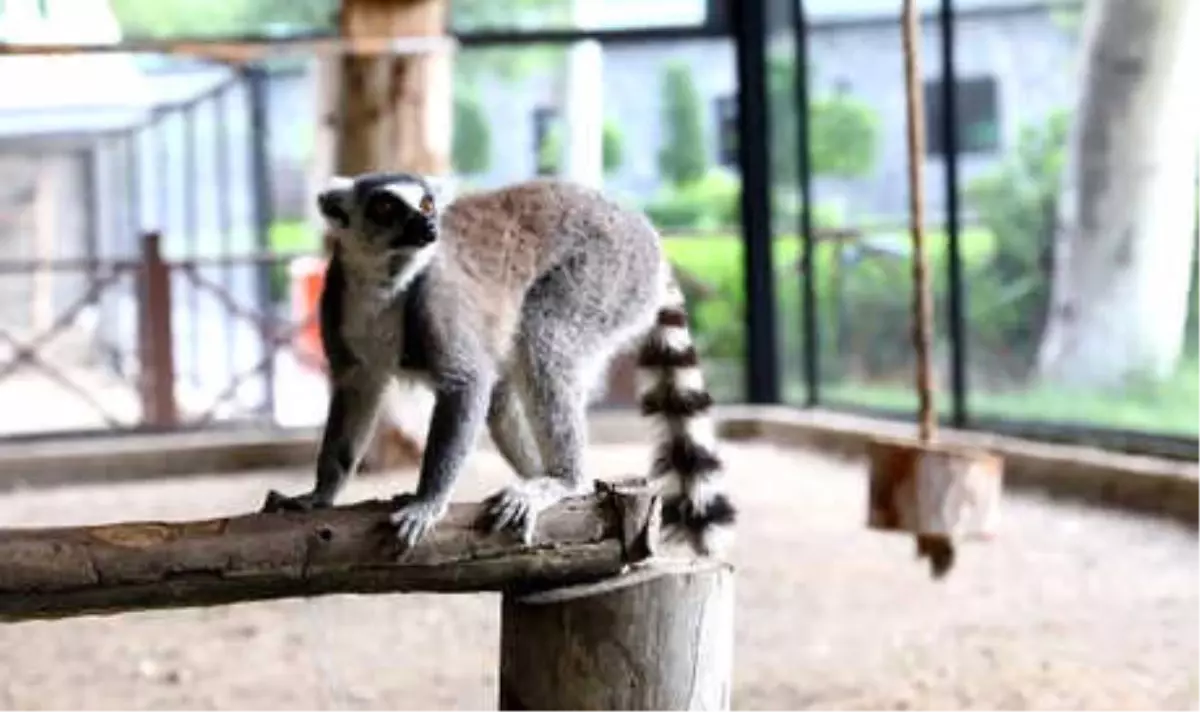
column 508, row 424
column 554, row 387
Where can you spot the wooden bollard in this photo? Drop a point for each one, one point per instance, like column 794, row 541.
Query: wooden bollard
column 657, row 638
column 939, row 492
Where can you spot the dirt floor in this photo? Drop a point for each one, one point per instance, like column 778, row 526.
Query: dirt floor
column 1070, row 609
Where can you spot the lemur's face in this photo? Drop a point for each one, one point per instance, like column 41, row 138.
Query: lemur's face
column 379, row 213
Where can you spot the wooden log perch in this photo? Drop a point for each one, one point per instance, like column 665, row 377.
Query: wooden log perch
column 73, row 571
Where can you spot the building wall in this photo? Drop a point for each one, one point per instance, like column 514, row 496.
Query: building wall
column 1027, row 53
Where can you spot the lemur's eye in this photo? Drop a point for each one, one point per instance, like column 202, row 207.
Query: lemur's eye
column 384, row 209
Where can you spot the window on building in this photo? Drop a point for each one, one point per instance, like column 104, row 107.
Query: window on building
column 727, row 131
column 544, row 118
column 977, row 119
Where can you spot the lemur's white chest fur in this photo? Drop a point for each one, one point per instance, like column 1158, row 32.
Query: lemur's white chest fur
column 373, row 320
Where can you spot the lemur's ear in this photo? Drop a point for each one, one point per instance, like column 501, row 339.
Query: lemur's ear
column 427, row 207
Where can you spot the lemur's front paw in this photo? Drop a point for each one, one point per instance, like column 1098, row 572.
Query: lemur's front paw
column 279, row 502
column 414, row 517
column 517, row 507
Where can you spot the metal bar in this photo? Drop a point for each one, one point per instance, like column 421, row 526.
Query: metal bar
column 762, row 358
column 80, row 264
column 190, row 229
column 130, row 245
column 162, row 165
column 812, row 343
column 134, row 216
column 614, row 37
column 260, row 137
column 225, row 206
column 207, row 95
column 957, row 314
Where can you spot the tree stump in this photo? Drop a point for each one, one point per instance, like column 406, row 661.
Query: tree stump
column 657, row 638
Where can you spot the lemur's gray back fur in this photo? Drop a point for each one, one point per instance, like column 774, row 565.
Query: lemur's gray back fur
column 510, row 304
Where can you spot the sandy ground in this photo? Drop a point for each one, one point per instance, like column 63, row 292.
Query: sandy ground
column 1070, row 609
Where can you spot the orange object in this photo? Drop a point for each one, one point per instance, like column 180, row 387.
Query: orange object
column 307, row 279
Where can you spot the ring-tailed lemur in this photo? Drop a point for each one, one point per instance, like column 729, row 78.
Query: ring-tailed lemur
column 509, row 304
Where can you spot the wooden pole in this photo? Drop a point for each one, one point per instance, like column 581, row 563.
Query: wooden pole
column 657, row 638
column 922, row 300
column 74, row 571
column 156, row 380
column 395, row 110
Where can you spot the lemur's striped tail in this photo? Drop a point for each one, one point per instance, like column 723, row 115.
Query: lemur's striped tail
column 686, row 463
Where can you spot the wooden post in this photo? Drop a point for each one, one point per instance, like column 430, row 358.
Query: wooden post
column 390, row 113
column 155, row 337
column 658, row 638
column 395, row 110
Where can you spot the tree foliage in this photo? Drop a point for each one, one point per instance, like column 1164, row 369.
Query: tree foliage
column 1016, row 201
column 843, row 131
column 682, row 158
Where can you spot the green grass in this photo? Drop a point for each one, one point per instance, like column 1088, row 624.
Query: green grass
column 1170, row 407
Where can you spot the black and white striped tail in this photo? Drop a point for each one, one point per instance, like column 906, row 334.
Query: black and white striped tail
column 686, row 462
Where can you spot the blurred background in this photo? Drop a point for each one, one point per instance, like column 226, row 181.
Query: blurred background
column 1066, row 300
column 160, row 259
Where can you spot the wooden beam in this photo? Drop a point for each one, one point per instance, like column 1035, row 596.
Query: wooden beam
column 93, row 570
column 249, row 49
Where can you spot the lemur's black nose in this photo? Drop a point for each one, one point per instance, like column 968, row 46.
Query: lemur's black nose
column 330, row 206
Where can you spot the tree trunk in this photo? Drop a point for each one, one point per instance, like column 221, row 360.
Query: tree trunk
column 1124, row 237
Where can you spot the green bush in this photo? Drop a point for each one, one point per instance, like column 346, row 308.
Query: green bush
column 843, row 131
column 1016, row 201
column 711, row 202
column 682, row 158
column 863, row 306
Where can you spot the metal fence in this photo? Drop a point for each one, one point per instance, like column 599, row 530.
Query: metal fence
column 797, row 277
